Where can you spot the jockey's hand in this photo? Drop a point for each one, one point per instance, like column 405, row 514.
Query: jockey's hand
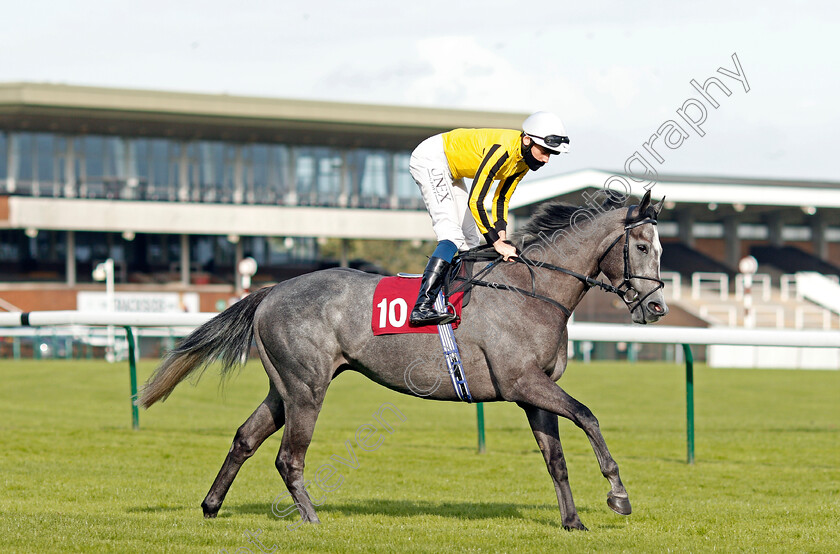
column 506, row 249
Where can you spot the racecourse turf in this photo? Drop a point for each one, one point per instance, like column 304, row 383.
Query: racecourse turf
column 75, row 477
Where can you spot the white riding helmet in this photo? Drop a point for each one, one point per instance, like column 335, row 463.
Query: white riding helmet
column 547, row 130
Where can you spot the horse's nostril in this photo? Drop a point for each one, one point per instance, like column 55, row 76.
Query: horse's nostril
column 656, row 307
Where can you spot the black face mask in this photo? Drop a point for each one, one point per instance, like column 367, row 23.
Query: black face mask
column 532, row 162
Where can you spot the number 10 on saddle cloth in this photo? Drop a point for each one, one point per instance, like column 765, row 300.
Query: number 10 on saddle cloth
column 392, row 301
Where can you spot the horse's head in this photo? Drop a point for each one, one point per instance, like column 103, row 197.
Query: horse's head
column 631, row 262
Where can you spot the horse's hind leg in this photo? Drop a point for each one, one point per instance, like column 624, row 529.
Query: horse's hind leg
column 266, row 419
column 300, row 424
column 544, row 426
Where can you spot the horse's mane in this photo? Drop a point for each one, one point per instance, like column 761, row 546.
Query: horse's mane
column 553, row 216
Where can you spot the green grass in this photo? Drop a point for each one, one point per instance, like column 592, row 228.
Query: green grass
column 75, row 477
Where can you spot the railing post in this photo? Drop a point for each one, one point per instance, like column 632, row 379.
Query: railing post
column 689, row 401
column 132, row 372
column 479, row 408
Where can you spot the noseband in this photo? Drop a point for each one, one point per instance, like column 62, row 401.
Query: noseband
column 625, row 290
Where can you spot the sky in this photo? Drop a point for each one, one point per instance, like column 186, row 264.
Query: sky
column 616, row 72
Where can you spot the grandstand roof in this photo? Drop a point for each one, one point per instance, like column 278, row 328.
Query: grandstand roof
column 74, row 109
column 753, row 194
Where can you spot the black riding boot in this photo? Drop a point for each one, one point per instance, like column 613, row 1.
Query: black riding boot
column 424, row 312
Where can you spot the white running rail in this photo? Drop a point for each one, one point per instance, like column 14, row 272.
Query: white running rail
column 603, row 332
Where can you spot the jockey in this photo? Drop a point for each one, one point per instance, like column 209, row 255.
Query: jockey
column 440, row 164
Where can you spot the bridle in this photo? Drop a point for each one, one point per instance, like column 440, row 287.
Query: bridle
column 624, row 290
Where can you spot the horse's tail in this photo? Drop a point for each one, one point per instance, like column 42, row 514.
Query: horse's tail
column 226, row 337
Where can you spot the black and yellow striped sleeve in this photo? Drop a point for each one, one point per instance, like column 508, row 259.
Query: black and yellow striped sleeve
column 491, row 164
column 502, row 198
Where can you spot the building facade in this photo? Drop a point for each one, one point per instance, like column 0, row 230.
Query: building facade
column 177, row 187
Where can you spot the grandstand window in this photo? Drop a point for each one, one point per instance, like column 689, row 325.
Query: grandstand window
column 263, row 192
column 212, row 160
column 9, row 246
column 23, row 152
column 129, row 147
column 116, row 157
column 92, row 247
column 404, row 186
column 707, row 230
column 354, row 162
column 3, row 156
column 227, row 180
column 94, row 156
column 64, row 159
column 45, row 159
column 270, row 170
column 190, row 161
column 668, row 229
column 141, row 151
column 373, row 178
column 751, row 231
column 319, row 175
column 796, row 232
column 304, row 174
column 153, row 167
column 280, row 169
column 244, row 174
column 330, row 167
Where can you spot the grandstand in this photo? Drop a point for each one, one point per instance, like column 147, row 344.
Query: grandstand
column 177, row 188
column 791, row 227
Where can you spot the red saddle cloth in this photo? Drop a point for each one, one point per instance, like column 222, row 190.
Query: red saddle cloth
column 393, row 301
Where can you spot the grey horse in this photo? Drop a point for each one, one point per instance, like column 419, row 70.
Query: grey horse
column 512, row 338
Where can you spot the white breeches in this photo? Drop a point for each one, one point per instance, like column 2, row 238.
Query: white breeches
column 446, row 198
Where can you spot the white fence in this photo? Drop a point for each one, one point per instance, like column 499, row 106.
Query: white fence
column 610, row 332
column 768, row 340
column 703, row 283
column 761, row 286
column 673, row 284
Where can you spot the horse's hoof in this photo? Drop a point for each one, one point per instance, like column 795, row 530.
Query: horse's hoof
column 575, row 526
column 619, row 504
column 208, row 512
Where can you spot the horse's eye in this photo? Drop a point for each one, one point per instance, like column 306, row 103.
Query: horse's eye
column 642, row 248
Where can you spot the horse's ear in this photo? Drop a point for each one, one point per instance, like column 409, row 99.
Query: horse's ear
column 643, row 207
column 658, row 206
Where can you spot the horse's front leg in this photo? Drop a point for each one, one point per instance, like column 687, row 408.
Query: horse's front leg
column 537, row 389
column 544, row 426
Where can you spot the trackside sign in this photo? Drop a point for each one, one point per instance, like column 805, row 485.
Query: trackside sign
column 147, row 302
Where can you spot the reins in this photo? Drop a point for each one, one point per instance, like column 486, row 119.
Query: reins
column 476, row 280
column 624, row 290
